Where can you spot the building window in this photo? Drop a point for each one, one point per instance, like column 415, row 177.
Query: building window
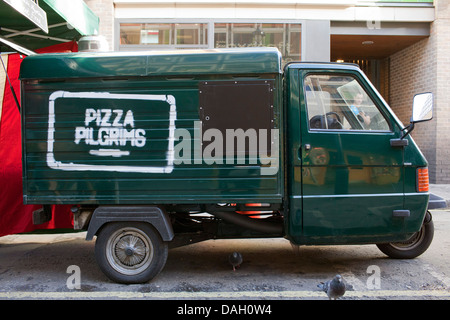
column 156, row 36
column 164, row 35
column 286, row 37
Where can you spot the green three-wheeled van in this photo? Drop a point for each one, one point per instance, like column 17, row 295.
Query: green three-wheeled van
column 161, row 149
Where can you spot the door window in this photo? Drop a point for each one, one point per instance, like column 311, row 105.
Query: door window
column 336, row 102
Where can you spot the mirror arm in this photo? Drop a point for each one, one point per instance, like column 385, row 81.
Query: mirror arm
column 408, row 129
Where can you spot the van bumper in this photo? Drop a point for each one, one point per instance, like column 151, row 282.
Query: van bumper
column 436, row 202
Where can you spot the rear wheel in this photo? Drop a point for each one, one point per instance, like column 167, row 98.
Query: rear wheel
column 130, row 252
column 414, row 246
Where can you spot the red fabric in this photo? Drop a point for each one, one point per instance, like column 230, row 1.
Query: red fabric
column 15, row 217
column 71, row 46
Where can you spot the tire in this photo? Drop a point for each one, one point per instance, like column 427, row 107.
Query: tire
column 414, row 246
column 130, row 252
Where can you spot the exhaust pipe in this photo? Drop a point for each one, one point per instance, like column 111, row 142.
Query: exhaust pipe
column 249, row 223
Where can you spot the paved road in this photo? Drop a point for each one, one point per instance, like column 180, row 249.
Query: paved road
column 33, row 268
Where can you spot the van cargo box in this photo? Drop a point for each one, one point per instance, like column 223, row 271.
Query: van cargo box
column 134, row 128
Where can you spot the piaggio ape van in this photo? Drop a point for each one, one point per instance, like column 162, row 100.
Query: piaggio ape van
column 162, row 149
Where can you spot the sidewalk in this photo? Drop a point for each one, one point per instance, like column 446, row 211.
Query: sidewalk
column 442, row 191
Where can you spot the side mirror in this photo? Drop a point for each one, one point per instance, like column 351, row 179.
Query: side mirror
column 422, row 111
column 422, row 107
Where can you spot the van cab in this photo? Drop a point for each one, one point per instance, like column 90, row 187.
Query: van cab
column 348, row 177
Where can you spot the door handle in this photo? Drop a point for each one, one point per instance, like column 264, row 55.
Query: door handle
column 307, row 147
column 399, row 142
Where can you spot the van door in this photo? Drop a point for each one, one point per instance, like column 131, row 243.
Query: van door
column 351, row 177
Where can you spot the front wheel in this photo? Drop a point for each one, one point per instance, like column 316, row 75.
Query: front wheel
column 130, row 252
column 414, row 246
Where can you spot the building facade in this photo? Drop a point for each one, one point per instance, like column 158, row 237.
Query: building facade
column 403, row 46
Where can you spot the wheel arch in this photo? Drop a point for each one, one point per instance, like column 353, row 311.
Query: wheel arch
column 154, row 215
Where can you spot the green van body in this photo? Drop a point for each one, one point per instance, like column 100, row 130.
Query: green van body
column 105, row 129
column 169, row 84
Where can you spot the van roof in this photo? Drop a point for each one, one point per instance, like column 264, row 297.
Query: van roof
column 151, row 63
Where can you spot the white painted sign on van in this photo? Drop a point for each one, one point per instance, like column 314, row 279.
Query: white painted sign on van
column 109, row 132
column 112, row 130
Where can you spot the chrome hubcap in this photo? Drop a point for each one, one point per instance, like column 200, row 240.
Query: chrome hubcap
column 129, row 251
